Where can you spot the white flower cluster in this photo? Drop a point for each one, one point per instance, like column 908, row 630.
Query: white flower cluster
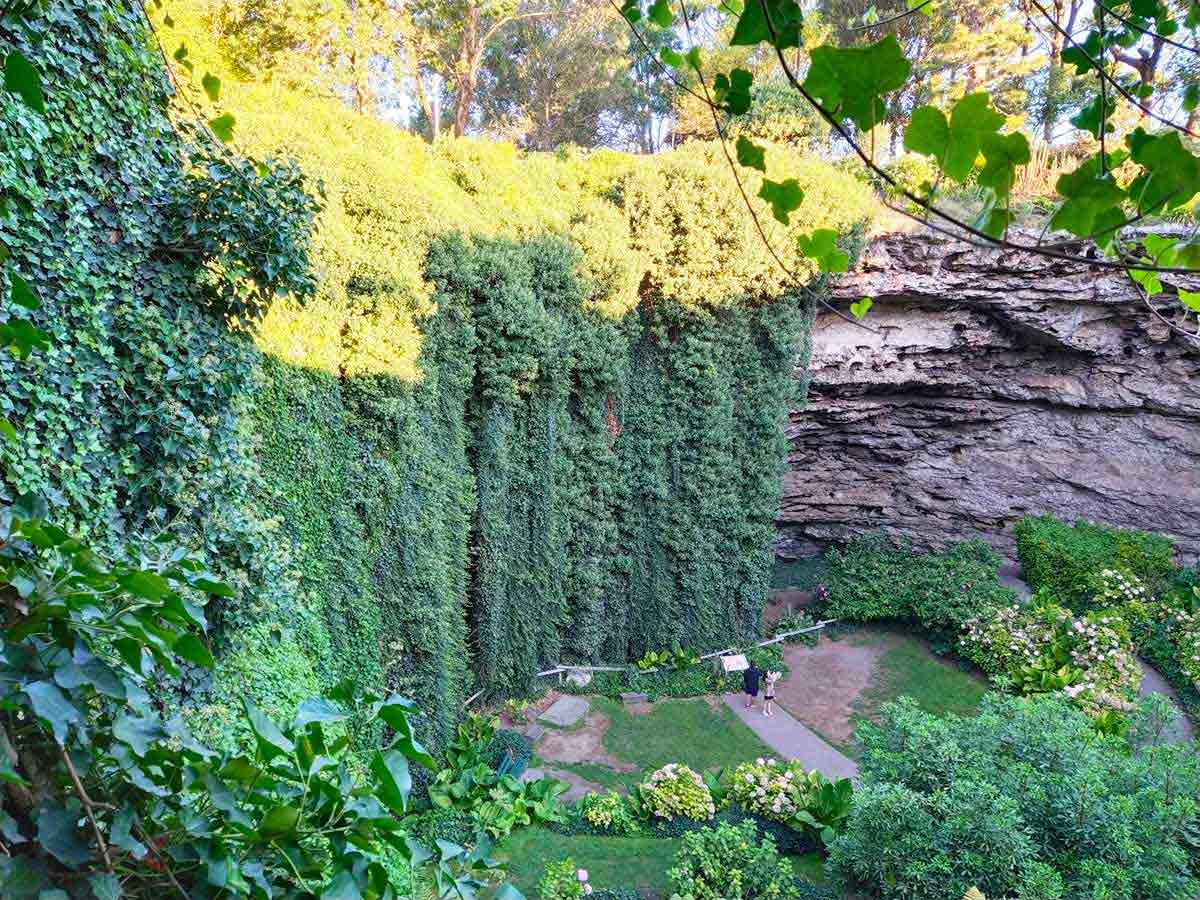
column 1185, row 632
column 676, row 791
column 774, row 790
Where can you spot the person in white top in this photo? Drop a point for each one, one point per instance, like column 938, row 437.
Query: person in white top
column 769, row 693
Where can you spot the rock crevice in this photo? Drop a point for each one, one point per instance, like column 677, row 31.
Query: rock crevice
column 995, row 384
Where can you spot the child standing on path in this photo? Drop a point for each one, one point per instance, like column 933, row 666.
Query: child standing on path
column 769, row 693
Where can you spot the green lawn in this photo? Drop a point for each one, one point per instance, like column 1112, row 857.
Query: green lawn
column 908, row 668
column 612, row 862
column 683, row 731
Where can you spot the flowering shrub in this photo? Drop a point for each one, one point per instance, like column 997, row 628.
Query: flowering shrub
column 1045, row 649
column 1184, row 629
column 677, row 792
column 772, row 789
column 608, row 812
column 727, row 862
column 562, row 881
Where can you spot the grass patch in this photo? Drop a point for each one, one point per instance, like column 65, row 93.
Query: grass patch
column 612, row 862
column 908, row 668
column 684, row 731
column 809, row 867
column 597, row 773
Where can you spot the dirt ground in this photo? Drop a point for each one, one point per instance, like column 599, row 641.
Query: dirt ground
column 825, row 683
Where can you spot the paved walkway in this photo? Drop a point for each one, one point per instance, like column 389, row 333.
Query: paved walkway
column 1181, row 729
column 790, row 739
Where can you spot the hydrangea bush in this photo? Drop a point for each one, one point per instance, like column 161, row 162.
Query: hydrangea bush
column 1184, row 627
column 1044, row 648
column 608, row 812
column 772, row 789
column 677, row 792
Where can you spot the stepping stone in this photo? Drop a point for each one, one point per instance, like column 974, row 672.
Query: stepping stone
column 631, row 698
column 579, row 678
column 533, row 732
column 565, row 712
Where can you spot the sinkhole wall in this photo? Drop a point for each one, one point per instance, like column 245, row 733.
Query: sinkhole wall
column 533, row 411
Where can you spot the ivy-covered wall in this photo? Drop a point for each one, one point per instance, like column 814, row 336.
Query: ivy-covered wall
column 532, row 410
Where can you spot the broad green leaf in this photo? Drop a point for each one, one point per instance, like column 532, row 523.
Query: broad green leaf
column 1190, row 299
column 141, row 733
column 23, row 337
column 212, row 86
column 121, row 833
column 392, row 778
column 785, row 197
column 7, row 430
column 193, row 650
column 21, row 294
column 693, row 58
column 631, row 11
column 508, row 892
column 1090, row 197
column 147, row 585
column 733, row 91
column 821, row 247
column 956, row 143
column 1094, row 116
column 58, row 832
column 344, row 886
column 219, row 588
column 861, row 307
column 105, row 886
column 1081, row 56
column 50, row 704
column 853, row 82
column 318, row 709
column 1171, row 173
column 1191, row 97
column 271, row 741
column 279, row 821
column 751, row 155
column 660, row 13
column 670, row 57
column 1003, row 154
column 222, row 127
column 753, row 28
column 22, row 79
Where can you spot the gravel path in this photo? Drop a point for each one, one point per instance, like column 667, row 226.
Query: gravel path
column 790, row 739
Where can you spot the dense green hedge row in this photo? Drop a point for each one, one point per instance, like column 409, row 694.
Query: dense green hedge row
column 532, row 410
column 1068, row 559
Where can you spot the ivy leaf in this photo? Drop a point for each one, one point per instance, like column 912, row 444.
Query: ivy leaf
column 751, row 155
column 147, row 585
column 50, row 704
column 193, row 650
column 821, row 247
column 278, row 822
column 660, row 14
column 212, row 86
column 121, row 833
column 23, row 337
column 393, row 779
column 318, row 709
column 852, row 82
column 1078, row 56
column 105, row 886
column 1090, row 197
column 1003, row 154
column 1171, row 175
column 784, row 196
column 140, row 733
column 753, row 29
column 21, row 294
column 631, row 11
column 670, row 57
column 1191, row 97
column 222, row 127
column 1094, row 116
column 7, row 430
column 58, row 833
column 1190, row 299
column 693, row 58
column 271, row 741
column 861, row 307
column 733, row 91
column 956, row 143
column 22, row 79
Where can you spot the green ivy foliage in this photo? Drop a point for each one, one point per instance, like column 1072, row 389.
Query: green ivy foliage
column 1068, row 559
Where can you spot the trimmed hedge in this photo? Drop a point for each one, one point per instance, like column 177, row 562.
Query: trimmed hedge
column 873, row 579
column 1067, row 559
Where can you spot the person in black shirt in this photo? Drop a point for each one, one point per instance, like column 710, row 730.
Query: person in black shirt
column 750, row 683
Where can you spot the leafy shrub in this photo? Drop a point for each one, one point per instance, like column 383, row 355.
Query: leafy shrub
column 561, row 881
column 676, row 792
column 616, row 894
column 1028, row 792
column 789, row 841
column 1067, row 559
column 785, row 792
column 1043, row 648
column 730, row 862
column 608, row 813
column 436, row 824
column 511, row 745
column 795, row 621
column 873, row 579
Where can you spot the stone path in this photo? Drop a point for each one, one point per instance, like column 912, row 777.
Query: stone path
column 1153, row 683
column 1010, row 576
column 790, row 739
column 564, row 712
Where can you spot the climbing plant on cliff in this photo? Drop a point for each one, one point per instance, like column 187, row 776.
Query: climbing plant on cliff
column 1150, row 173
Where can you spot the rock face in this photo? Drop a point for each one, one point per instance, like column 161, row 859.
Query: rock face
column 998, row 384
